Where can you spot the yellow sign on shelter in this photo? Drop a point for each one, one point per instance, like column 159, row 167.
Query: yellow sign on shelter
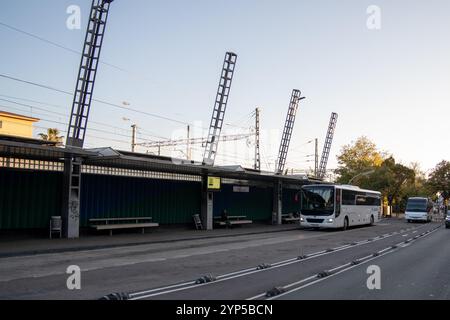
column 213, row 183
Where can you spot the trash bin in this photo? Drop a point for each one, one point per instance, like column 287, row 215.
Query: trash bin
column 387, row 211
column 55, row 225
column 274, row 218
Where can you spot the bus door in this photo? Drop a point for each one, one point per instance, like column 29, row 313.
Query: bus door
column 337, row 209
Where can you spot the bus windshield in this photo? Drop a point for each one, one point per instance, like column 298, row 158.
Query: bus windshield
column 416, row 205
column 318, row 200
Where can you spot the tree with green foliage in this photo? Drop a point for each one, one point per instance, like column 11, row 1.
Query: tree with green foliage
column 439, row 179
column 399, row 179
column 420, row 187
column 362, row 164
column 356, row 159
column 52, row 135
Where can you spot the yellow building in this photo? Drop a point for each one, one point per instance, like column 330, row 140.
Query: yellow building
column 16, row 125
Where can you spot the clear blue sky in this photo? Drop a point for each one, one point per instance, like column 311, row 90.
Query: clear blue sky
column 391, row 85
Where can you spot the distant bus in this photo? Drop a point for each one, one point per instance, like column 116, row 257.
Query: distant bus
column 419, row 209
column 339, row 206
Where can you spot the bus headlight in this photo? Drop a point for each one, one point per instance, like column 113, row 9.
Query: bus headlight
column 331, row 220
column 302, row 220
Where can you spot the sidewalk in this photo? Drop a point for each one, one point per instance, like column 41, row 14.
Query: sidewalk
column 11, row 246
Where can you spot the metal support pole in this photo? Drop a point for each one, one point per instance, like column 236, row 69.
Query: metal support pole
column 133, row 137
column 316, row 158
column 188, row 151
column 287, row 131
column 220, row 106
column 277, row 203
column 257, row 154
column 327, row 145
column 207, row 205
column 79, row 115
column 71, row 197
column 87, row 73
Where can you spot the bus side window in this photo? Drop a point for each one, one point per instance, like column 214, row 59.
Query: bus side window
column 338, row 202
column 348, row 197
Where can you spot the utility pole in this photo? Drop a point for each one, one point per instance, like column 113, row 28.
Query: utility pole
column 188, row 153
column 257, row 154
column 316, row 158
column 133, row 137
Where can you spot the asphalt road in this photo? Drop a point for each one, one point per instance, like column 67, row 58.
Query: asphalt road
column 168, row 271
column 420, row 270
column 254, row 284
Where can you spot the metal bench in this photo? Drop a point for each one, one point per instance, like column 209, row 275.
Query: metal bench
column 232, row 220
column 122, row 223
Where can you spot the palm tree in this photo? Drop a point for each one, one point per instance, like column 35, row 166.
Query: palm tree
column 52, row 135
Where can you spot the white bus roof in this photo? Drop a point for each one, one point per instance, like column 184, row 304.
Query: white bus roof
column 343, row 186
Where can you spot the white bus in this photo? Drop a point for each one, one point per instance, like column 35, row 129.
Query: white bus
column 339, row 206
column 419, row 208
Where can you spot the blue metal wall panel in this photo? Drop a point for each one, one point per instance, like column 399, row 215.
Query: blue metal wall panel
column 257, row 204
column 29, row 198
column 166, row 201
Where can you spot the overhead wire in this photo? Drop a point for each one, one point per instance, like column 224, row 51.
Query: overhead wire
column 55, row 44
column 65, row 123
column 102, row 102
column 94, row 122
column 63, row 131
column 43, row 86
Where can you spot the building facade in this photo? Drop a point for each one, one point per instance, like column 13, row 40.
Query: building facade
column 16, row 125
